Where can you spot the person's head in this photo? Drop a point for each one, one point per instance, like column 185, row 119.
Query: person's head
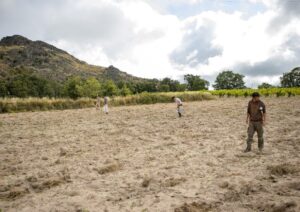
column 173, row 97
column 255, row 96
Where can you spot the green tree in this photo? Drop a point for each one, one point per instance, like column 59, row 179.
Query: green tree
column 229, row 80
column 27, row 84
column 125, row 91
column 89, row 88
column 20, row 86
column 164, row 88
column 196, row 83
column 291, row 79
column 109, row 88
column 167, row 84
column 148, row 86
column 130, row 86
column 58, row 88
column 40, row 87
column 72, row 87
column 265, row 85
column 3, row 89
column 182, row 87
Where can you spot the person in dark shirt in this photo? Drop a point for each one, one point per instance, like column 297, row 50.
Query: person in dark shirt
column 256, row 119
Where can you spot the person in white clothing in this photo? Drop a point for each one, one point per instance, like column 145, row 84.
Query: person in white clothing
column 105, row 108
column 178, row 104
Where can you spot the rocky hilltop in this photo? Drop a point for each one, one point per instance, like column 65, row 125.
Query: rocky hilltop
column 50, row 62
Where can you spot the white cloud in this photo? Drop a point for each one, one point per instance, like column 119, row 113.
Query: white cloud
column 137, row 37
column 247, row 46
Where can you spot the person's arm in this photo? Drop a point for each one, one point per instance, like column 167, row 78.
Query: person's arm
column 248, row 114
column 264, row 114
column 264, row 119
column 248, row 118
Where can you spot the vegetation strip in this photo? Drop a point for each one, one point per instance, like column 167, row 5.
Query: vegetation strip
column 8, row 105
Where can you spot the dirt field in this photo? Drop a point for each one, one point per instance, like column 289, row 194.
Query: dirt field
column 144, row 158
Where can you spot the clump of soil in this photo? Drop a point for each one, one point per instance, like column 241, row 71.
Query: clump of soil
column 294, row 185
column 232, row 196
column 283, row 169
column 171, row 182
column 108, row 168
column 47, row 184
column 224, row 184
column 236, row 193
column 13, row 193
column 63, row 152
column 146, row 182
column 280, row 207
column 195, row 207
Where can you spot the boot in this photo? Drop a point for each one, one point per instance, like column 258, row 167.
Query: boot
column 248, row 149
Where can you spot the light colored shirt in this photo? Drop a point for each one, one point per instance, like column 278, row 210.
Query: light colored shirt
column 178, row 101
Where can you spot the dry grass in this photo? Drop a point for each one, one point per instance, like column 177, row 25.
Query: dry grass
column 284, row 169
column 8, row 105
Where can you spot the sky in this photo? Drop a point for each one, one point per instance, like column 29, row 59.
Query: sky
column 167, row 38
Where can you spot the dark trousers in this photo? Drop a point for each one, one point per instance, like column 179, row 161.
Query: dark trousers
column 255, row 127
column 179, row 110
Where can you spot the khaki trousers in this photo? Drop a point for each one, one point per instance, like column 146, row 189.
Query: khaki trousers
column 255, row 127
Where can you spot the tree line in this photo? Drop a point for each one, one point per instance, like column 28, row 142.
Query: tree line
column 24, row 83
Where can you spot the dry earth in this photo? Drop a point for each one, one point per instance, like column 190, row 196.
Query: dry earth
column 144, row 158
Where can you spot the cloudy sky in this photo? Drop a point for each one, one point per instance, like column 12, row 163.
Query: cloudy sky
column 167, row 38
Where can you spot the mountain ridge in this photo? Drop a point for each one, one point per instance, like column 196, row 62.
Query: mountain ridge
column 53, row 63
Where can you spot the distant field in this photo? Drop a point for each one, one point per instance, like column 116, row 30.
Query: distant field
column 144, row 158
column 42, row 104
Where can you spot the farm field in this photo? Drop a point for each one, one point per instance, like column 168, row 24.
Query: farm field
column 145, row 158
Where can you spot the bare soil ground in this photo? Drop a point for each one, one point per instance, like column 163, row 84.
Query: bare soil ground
column 145, row 158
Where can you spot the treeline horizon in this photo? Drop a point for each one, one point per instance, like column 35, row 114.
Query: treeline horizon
column 24, row 83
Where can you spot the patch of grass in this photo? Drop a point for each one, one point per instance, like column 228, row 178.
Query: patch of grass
column 283, row 169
